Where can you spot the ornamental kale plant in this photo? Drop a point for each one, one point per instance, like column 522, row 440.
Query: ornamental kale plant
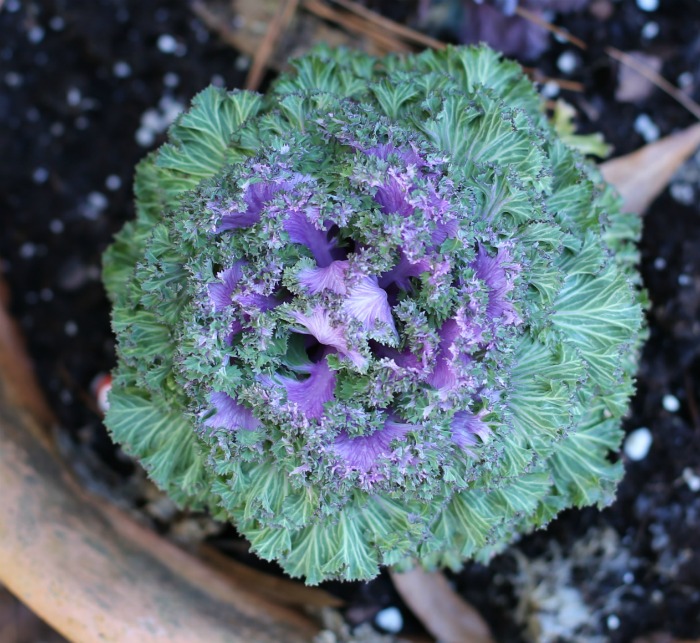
column 381, row 316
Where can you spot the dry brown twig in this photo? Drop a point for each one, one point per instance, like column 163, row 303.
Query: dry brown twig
column 279, row 23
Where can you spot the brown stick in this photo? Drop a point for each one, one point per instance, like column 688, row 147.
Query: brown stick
column 408, row 34
column 279, row 23
column 91, row 571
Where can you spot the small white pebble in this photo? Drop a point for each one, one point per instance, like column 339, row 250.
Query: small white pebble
column 628, row 578
column 12, row 5
column 646, row 128
column 56, row 226
column 57, row 23
column 217, row 80
column 13, row 79
column 613, row 622
column 113, row 182
column 35, row 34
column 73, row 97
column 121, row 69
column 167, row 44
column 57, row 129
column 242, row 63
column 684, row 280
column 691, row 479
column 657, row 596
column 685, row 80
column 171, row 79
column 550, row 89
column 671, row 403
column 40, row 175
column 660, row 263
column 650, row 30
column 638, row 443
column 71, row 328
column 145, row 137
column 683, row 193
column 390, row 619
column 46, row 294
column 98, row 200
column 27, row 250
column 648, row 5
column 81, row 123
column 567, row 62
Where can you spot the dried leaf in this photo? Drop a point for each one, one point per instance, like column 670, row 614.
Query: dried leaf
column 442, row 611
column 642, row 175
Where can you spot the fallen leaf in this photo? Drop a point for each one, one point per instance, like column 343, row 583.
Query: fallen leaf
column 642, row 175
column 447, row 616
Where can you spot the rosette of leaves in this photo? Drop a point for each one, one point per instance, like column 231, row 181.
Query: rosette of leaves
column 380, row 316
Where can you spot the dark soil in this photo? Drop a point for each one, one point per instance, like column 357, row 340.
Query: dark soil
column 77, row 81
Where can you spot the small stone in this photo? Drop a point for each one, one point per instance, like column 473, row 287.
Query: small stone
column 685, row 80
column 648, row 5
column 35, row 34
column 27, row 250
column 144, row 137
column 167, row 44
column 171, row 79
column 57, row 23
column 121, row 69
column 13, row 79
column 390, row 620
column 638, row 443
column 682, row 193
column 113, row 182
column 684, row 280
column 660, row 263
column 550, row 89
column 628, row 578
column 73, row 97
column 71, row 328
column 650, row 30
column 691, row 479
column 567, row 62
column 671, row 403
column 613, row 622
column 40, row 175
column 646, row 128
column 56, row 226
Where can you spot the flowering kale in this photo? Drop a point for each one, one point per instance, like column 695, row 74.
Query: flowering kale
column 381, row 315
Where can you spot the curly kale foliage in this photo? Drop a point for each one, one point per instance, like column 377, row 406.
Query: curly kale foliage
column 380, row 316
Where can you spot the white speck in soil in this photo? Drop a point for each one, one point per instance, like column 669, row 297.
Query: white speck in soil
column 390, row 620
column 46, row 294
column 35, row 34
column 144, row 137
column 56, row 226
column 613, row 622
column 12, row 5
column 66, row 396
column 167, row 44
column 650, row 30
column 684, row 280
column 27, row 250
column 13, row 79
column 242, row 63
column 71, row 328
column 40, row 175
column 217, row 80
column 57, row 129
column 638, row 443
column 692, row 479
column 628, row 578
column 567, row 62
column 81, row 123
column 660, row 263
column 685, row 80
column 550, row 89
column 57, row 23
column 95, row 204
column 683, row 193
column 121, row 69
column 646, row 128
column 73, row 97
column 113, row 182
column 171, row 79
column 648, row 5
column 671, row 403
